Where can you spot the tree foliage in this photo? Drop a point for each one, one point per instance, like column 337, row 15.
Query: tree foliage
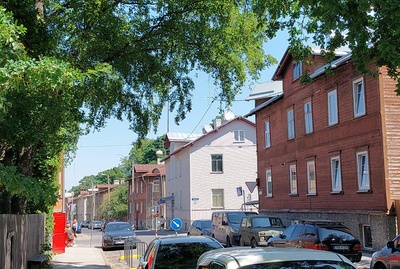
column 117, row 206
column 366, row 26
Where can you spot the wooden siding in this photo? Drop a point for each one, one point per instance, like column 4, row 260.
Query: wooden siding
column 391, row 103
column 344, row 139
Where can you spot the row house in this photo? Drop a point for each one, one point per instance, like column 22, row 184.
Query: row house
column 145, row 191
column 87, row 203
column 210, row 172
column 330, row 149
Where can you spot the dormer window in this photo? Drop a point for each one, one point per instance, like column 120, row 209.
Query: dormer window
column 297, row 70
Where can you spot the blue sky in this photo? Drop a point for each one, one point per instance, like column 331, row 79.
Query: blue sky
column 104, row 150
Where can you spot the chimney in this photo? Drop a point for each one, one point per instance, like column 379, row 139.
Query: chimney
column 217, row 123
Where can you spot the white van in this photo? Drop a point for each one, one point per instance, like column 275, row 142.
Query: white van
column 225, row 226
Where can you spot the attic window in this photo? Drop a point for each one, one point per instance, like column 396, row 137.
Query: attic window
column 239, row 135
column 297, row 70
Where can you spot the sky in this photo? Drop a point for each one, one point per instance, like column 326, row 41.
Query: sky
column 100, row 151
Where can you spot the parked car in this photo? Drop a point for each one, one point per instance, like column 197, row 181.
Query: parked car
column 269, row 258
column 85, row 223
column 200, row 227
column 95, row 224
column 225, row 226
column 115, row 234
column 256, row 230
column 388, row 257
column 320, row 235
column 176, row 252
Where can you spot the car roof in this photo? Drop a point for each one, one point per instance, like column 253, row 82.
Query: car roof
column 117, row 222
column 184, row 239
column 243, row 256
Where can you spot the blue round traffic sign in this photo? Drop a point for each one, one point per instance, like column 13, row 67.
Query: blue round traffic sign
column 176, row 224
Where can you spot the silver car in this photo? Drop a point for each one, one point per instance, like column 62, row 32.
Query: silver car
column 95, row 224
column 271, row 258
column 388, row 257
column 200, row 227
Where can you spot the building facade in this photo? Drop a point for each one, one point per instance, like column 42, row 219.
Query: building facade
column 330, row 149
column 211, row 172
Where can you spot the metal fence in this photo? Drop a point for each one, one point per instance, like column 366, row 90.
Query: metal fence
column 133, row 250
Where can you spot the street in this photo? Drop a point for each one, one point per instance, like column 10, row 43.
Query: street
column 113, row 257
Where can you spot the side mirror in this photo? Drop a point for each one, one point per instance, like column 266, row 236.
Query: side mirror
column 390, row 245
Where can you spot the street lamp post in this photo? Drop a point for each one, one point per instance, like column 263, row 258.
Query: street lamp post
column 93, row 190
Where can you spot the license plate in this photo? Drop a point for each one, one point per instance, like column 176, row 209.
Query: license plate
column 341, row 247
column 120, row 242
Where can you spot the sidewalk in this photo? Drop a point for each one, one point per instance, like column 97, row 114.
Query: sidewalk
column 80, row 257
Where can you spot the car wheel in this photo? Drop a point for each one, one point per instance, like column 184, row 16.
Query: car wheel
column 241, row 241
column 228, row 242
column 379, row 266
column 253, row 243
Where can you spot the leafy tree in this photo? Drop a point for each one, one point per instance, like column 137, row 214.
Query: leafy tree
column 145, row 151
column 118, row 204
column 75, row 63
column 365, row 26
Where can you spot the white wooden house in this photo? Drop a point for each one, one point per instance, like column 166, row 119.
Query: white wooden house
column 215, row 171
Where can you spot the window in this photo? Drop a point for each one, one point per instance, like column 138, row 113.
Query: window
column 268, row 180
column 336, row 175
column 332, row 108
column 358, row 97
column 293, row 179
column 217, row 198
column 363, row 171
column 312, row 186
column 238, row 135
column 290, row 123
column 267, row 135
column 308, row 123
column 297, row 70
column 216, row 163
column 156, row 185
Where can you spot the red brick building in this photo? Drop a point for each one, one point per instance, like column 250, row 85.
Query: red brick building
column 330, row 149
column 144, row 193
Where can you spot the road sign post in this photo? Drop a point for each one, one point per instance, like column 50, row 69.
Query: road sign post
column 176, row 225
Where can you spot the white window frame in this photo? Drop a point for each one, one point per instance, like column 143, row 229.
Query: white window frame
column 156, row 185
column 293, row 179
column 308, row 120
column 297, row 70
column 267, row 135
column 217, row 165
column 290, row 124
column 311, row 178
column 333, row 116
column 359, row 97
column 217, row 198
column 336, row 174
column 363, row 175
column 238, row 136
column 268, row 182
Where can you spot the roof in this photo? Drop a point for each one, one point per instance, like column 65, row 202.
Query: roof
column 179, row 137
column 266, row 90
column 149, row 169
column 339, row 52
column 224, row 125
column 261, row 106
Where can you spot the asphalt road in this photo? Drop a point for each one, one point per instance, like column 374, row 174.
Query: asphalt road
column 114, row 258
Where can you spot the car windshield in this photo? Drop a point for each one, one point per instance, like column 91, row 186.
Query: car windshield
column 300, row 265
column 335, row 233
column 182, row 255
column 118, row 227
column 266, row 222
column 235, row 217
column 207, row 224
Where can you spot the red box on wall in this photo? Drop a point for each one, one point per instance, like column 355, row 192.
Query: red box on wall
column 59, row 232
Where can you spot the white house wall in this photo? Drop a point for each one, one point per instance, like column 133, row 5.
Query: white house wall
column 190, row 179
